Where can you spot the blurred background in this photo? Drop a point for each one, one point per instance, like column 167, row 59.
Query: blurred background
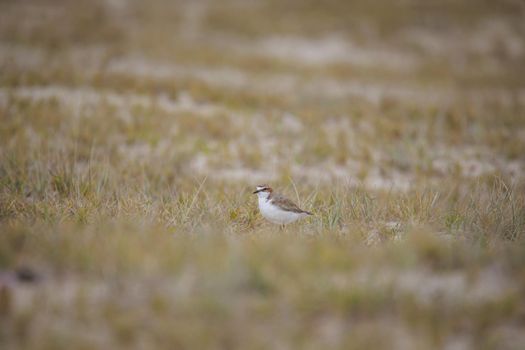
column 132, row 132
column 355, row 91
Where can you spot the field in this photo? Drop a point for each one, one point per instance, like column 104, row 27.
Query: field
column 132, row 134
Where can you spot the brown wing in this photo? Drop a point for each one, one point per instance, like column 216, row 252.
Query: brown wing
column 287, row 204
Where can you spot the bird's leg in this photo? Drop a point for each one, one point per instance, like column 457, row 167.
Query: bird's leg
column 281, row 227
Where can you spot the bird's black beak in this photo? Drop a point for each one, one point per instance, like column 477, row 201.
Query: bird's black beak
column 255, row 192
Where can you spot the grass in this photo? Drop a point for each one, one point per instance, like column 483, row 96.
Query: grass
column 131, row 139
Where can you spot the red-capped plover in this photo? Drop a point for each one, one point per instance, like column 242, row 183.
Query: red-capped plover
column 277, row 208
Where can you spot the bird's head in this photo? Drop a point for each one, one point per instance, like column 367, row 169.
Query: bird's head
column 263, row 191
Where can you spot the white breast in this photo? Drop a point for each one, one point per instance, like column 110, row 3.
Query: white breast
column 275, row 214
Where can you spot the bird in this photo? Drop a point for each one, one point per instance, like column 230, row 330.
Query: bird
column 277, row 208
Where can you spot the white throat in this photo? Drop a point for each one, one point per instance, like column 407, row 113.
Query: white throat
column 263, row 195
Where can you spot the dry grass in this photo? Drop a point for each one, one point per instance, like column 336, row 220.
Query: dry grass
column 132, row 134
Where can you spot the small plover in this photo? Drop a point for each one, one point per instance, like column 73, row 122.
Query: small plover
column 276, row 208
